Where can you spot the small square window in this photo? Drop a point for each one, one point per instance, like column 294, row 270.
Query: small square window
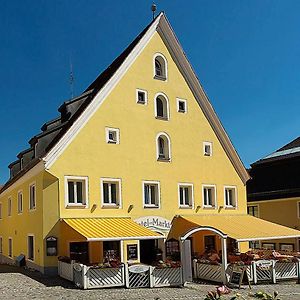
column 181, row 106
column 76, row 191
column 111, row 192
column 253, row 210
column 207, row 149
column 141, row 96
column 209, row 196
column 151, row 194
column 230, row 197
column 112, row 135
column 185, row 195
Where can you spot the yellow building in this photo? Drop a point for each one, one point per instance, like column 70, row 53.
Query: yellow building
column 140, row 145
column 274, row 194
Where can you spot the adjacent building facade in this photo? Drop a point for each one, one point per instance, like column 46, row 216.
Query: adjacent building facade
column 141, row 145
column 274, row 192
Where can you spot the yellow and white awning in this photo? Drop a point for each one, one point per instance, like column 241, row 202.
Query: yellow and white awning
column 239, row 227
column 108, row 229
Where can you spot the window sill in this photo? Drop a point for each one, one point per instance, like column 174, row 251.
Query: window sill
column 186, row 206
column 112, row 142
column 182, row 111
column 164, row 159
column 230, row 207
column 141, row 102
column 209, row 207
column 207, row 154
column 151, row 206
column 76, row 206
column 113, row 206
column 162, row 78
column 162, row 118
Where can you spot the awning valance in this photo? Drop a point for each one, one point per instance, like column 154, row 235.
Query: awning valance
column 108, row 229
column 239, row 227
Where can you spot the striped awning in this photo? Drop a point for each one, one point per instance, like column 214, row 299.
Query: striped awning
column 239, row 227
column 108, row 229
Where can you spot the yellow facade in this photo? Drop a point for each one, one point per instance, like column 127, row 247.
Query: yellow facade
column 283, row 211
column 133, row 161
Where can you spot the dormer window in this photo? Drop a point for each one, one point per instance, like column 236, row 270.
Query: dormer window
column 21, row 163
column 161, row 107
column 160, row 67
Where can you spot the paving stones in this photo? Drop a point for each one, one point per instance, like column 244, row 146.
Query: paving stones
column 17, row 283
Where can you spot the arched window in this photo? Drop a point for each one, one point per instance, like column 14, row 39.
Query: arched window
column 161, row 107
column 163, row 147
column 160, row 67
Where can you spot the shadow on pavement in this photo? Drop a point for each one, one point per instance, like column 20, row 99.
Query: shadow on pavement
column 49, row 281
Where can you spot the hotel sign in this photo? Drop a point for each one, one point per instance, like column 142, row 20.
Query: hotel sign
column 154, row 222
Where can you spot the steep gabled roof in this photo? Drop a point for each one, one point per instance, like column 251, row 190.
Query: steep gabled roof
column 96, row 93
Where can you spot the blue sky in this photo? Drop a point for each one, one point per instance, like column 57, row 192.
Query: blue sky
column 245, row 53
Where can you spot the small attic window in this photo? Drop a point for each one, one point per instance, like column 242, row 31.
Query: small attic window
column 181, row 105
column 112, row 135
column 160, row 67
column 207, row 149
column 141, row 96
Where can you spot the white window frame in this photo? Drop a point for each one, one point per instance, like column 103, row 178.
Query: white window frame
column 137, row 96
column 118, row 181
column 85, row 181
column 9, row 206
column 185, row 105
column 10, row 248
column 191, row 195
column 33, row 254
column 29, row 196
column 18, row 202
column 151, row 182
column 231, row 187
column 116, row 131
column 298, row 209
column 163, row 78
column 167, row 104
column 258, row 214
column 168, row 159
column 1, row 210
column 210, row 144
column 214, row 204
column 1, row 244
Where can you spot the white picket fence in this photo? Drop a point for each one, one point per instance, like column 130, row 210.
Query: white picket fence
column 65, row 270
column 207, row 272
column 167, row 277
column 258, row 271
column 89, row 277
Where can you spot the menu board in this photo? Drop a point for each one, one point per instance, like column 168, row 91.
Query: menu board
column 132, row 252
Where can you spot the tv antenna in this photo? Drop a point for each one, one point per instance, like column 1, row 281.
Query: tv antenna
column 153, row 8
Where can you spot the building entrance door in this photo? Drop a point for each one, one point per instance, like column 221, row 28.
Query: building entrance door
column 148, row 249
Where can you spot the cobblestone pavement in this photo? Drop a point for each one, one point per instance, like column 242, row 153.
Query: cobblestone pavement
column 17, row 283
